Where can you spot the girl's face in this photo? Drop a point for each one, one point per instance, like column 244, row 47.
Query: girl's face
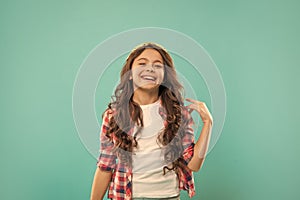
column 147, row 70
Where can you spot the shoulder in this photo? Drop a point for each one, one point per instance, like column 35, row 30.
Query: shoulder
column 108, row 113
column 187, row 117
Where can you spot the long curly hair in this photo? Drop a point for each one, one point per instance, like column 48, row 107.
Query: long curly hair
column 128, row 113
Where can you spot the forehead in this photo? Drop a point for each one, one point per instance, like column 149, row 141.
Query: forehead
column 150, row 54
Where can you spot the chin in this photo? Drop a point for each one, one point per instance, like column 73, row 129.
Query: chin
column 149, row 86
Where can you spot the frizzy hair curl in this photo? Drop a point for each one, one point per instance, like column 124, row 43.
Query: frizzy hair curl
column 128, row 113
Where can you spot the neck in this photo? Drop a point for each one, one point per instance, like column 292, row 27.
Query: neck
column 143, row 97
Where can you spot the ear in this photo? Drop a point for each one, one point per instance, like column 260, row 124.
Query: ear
column 130, row 75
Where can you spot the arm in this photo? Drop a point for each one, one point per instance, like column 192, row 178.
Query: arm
column 106, row 162
column 100, row 184
column 201, row 146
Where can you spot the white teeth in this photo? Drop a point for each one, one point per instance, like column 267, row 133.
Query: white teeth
column 148, row 78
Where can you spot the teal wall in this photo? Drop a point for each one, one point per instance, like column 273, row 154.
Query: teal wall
column 255, row 45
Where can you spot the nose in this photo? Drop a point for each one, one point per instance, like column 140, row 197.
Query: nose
column 150, row 68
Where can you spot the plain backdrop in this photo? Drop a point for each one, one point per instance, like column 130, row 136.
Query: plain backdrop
column 255, row 45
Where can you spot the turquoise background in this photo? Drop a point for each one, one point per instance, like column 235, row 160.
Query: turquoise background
column 255, row 45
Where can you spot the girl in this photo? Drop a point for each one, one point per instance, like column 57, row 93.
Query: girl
column 147, row 140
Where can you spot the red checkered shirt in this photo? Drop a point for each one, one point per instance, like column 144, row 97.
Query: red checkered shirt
column 120, row 187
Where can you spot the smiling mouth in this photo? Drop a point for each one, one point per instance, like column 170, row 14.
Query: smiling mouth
column 148, row 78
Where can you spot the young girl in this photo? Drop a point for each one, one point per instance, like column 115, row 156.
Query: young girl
column 147, row 140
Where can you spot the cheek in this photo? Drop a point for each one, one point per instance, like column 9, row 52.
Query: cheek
column 162, row 75
column 135, row 72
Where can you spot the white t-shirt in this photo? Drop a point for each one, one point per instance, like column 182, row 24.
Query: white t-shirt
column 148, row 161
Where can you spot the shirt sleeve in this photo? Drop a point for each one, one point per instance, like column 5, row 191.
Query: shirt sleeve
column 107, row 158
column 188, row 138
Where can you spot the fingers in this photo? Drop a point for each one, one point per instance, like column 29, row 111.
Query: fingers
column 191, row 100
column 194, row 101
column 190, row 109
column 196, row 105
column 200, row 107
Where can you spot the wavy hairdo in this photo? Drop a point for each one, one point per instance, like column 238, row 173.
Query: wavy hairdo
column 128, row 113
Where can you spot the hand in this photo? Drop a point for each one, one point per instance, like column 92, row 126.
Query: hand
column 201, row 108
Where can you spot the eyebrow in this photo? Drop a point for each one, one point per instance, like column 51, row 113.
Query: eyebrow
column 148, row 60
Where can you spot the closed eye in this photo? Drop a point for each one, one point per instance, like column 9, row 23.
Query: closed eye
column 158, row 66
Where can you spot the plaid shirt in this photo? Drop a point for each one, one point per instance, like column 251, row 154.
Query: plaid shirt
column 120, row 187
